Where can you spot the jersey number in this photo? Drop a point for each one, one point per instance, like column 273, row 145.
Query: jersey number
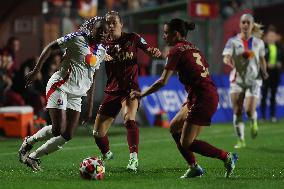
column 205, row 72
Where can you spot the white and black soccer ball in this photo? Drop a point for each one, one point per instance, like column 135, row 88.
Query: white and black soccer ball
column 92, row 168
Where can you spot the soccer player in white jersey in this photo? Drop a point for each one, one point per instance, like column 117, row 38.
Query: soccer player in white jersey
column 75, row 78
column 245, row 54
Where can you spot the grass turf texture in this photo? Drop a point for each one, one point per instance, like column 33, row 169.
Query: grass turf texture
column 261, row 163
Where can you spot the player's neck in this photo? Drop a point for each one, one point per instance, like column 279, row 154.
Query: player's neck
column 245, row 35
column 115, row 37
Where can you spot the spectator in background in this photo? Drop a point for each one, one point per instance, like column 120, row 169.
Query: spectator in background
column 9, row 97
column 87, row 8
column 51, row 66
column 228, row 8
column 274, row 59
column 9, row 55
column 35, row 94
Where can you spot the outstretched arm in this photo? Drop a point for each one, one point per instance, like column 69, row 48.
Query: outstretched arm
column 90, row 100
column 31, row 76
column 161, row 82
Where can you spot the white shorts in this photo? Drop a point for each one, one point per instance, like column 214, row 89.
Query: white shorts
column 253, row 90
column 61, row 100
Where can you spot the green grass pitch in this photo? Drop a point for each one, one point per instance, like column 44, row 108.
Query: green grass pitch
column 260, row 165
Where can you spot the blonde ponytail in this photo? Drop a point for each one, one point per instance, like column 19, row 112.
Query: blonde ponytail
column 257, row 30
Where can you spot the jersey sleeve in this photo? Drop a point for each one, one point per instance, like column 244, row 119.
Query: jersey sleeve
column 261, row 49
column 173, row 59
column 228, row 50
column 67, row 40
column 141, row 42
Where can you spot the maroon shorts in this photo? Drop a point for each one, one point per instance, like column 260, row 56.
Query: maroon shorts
column 111, row 104
column 201, row 109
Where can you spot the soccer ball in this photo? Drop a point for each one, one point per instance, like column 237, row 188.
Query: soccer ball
column 92, row 168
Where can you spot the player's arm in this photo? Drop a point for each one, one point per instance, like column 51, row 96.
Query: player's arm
column 161, row 82
column 263, row 69
column 31, row 76
column 227, row 59
column 228, row 52
column 149, row 50
column 90, row 100
column 153, row 52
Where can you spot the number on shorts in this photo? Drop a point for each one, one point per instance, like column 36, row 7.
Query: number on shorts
column 205, row 72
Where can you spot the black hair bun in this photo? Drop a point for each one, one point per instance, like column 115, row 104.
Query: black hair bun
column 190, row 26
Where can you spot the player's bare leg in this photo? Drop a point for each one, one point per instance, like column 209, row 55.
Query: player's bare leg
column 101, row 127
column 250, row 107
column 237, row 100
column 176, row 126
column 129, row 110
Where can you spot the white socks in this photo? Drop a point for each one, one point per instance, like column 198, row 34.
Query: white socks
column 50, row 146
column 239, row 127
column 43, row 134
column 133, row 155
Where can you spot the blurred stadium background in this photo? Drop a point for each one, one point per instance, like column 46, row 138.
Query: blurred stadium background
column 27, row 26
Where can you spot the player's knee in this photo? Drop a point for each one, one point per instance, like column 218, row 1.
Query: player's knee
column 185, row 144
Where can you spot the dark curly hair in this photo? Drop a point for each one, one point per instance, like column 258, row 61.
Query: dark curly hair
column 88, row 25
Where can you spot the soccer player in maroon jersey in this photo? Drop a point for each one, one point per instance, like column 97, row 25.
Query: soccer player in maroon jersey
column 122, row 74
column 187, row 60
